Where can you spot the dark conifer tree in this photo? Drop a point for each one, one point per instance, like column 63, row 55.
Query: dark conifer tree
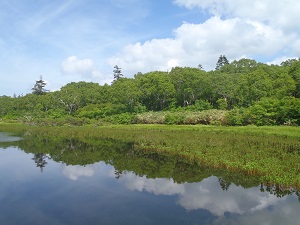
column 117, row 73
column 39, row 87
column 222, row 61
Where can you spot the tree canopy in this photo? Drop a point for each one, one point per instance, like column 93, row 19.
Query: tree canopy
column 250, row 93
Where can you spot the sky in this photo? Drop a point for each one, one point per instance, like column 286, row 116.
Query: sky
column 82, row 40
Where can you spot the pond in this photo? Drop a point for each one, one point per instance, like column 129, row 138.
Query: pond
column 61, row 182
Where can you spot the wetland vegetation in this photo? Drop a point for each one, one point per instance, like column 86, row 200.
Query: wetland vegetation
column 270, row 154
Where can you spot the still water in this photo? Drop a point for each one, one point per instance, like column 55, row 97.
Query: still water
column 64, row 182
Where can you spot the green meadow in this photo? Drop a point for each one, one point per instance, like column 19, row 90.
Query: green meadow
column 272, row 153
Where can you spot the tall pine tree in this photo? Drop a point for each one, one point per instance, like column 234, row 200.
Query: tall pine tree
column 117, row 73
column 38, row 88
column 222, row 61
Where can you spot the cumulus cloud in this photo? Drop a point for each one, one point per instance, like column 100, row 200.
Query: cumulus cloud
column 84, row 67
column 276, row 13
column 156, row 54
column 259, row 29
column 195, row 44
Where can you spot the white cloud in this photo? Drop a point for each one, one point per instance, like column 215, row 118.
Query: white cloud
column 150, row 56
column 73, row 65
column 278, row 61
column 252, row 29
column 84, row 67
column 281, row 14
column 203, row 43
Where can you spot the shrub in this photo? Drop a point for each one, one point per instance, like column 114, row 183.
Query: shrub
column 222, row 103
column 199, row 105
column 174, row 118
column 272, row 111
column 237, row 117
column 123, row 118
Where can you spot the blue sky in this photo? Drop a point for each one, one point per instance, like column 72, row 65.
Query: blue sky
column 73, row 40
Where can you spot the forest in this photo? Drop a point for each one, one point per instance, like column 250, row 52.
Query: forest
column 238, row 93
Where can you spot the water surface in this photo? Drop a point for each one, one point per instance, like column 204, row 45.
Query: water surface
column 62, row 182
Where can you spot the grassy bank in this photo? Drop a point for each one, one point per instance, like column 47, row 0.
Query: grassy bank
column 273, row 153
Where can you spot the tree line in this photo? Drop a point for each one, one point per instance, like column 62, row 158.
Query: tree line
column 244, row 91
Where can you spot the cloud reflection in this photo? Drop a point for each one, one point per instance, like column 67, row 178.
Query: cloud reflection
column 208, row 195
column 74, row 172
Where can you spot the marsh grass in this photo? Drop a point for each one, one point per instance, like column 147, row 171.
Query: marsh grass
column 273, row 153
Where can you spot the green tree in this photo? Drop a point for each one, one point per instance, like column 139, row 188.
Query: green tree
column 126, row 91
column 69, row 97
column 39, row 87
column 117, row 73
column 240, row 66
column 157, row 90
column 254, row 86
column 191, row 84
column 294, row 72
column 222, row 61
column 288, row 62
column 224, row 86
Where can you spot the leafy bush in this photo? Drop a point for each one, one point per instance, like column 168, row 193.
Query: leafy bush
column 222, row 103
column 237, row 117
column 272, row 111
column 174, row 118
column 96, row 111
column 123, row 118
column 64, row 121
column 199, row 105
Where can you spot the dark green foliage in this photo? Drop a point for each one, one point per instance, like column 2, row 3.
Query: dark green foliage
column 117, row 73
column 156, row 90
column 200, row 105
column 270, row 111
column 222, row 61
column 97, row 111
column 237, row 117
column 294, row 72
column 191, row 84
column 222, row 103
column 39, row 87
column 123, row 118
column 174, row 118
column 267, row 111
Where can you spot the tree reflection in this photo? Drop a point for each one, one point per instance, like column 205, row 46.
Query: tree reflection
column 224, row 184
column 125, row 156
column 118, row 173
column 40, row 160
